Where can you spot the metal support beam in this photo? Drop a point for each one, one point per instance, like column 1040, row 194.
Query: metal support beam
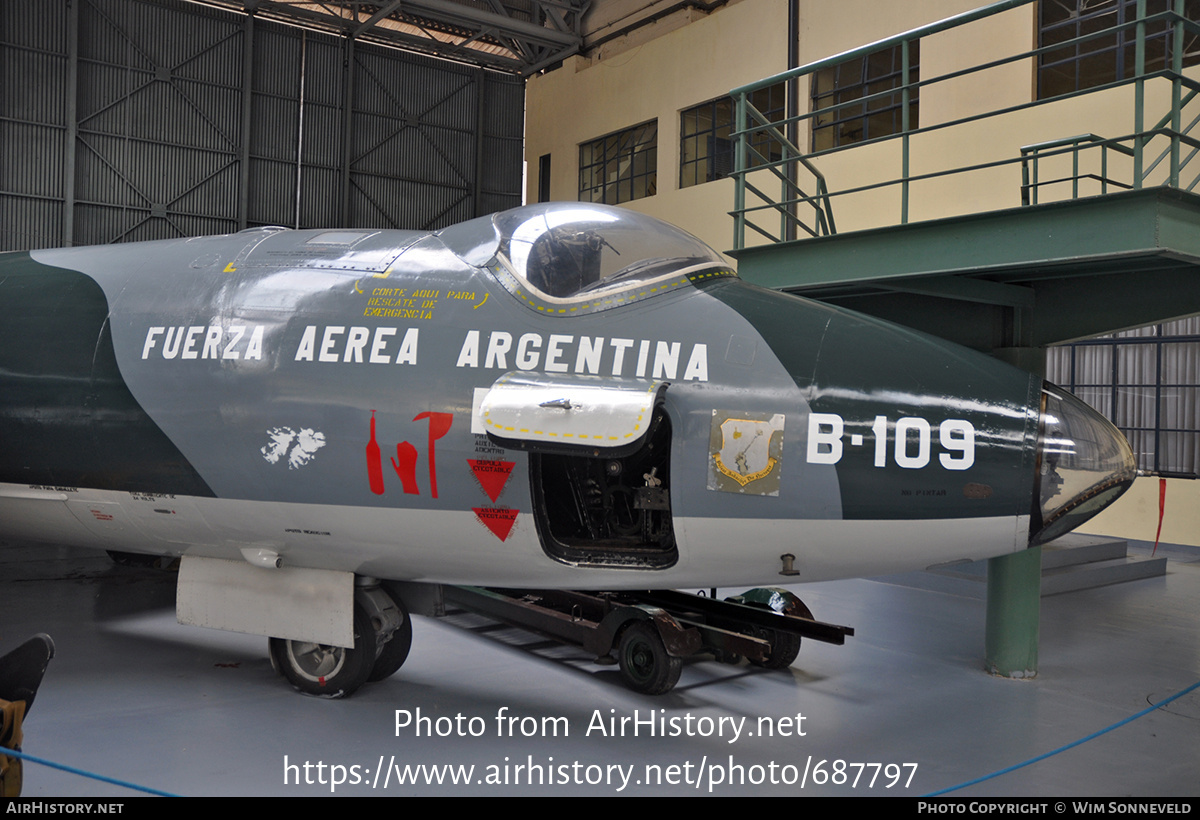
column 470, row 16
column 243, row 213
column 72, row 122
column 1077, row 268
column 1139, row 93
column 967, row 290
column 477, row 177
column 497, row 37
column 347, row 121
column 383, row 12
column 300, row 127
column 792, row 109
column 1017, row 244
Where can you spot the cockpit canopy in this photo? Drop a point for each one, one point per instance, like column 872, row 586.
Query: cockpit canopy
column 578, row 252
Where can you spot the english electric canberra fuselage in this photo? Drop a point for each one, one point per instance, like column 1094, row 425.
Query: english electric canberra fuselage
column 561, row 395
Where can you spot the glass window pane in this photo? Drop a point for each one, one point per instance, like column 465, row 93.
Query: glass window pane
column 1142, row 443
column 836, row 124
column 1058, row 365
column 1157, row 390
column 1100, row 398
column 1182, row 327
column 1178, row 408
column 706, row 137
column 1109, row 57
column 607, row 165
column 1137, row 364
column 1181, row 363
column 1093, row 364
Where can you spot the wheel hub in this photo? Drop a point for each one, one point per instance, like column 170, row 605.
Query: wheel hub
column 316, row 661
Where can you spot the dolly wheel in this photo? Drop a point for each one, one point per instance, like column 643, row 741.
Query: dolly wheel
column 645, row 664
column 785, row 646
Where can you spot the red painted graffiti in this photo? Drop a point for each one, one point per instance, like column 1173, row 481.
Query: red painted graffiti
column 405, row 465
column 374, row 461
column 439, row 425
column 405, row 462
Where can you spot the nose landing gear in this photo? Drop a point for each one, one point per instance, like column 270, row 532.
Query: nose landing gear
column 382, row 638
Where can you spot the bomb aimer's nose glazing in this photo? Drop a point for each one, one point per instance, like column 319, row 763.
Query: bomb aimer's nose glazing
column 1083, row 465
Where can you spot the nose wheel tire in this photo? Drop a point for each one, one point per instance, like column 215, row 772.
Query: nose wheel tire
column 645, row 665
column 395, row 652
column 324, row 670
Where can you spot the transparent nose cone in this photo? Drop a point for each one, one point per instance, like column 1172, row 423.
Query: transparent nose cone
column 1084, row 464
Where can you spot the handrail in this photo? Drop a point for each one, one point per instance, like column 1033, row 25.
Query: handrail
column 786, row 163
column 981, row 166
column 1031, row 154
column 887, row 42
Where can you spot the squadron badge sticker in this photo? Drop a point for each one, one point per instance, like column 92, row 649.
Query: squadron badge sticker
column 745, row 452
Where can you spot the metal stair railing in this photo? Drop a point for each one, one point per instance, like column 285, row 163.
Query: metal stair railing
column 793, row 212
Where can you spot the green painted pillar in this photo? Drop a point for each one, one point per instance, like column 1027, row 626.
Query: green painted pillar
column 1014, row 585
column 1014, row 600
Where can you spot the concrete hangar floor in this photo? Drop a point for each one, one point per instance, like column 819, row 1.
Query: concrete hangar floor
column 136, row 697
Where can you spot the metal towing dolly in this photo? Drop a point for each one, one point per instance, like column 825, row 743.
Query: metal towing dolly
column 652, row 632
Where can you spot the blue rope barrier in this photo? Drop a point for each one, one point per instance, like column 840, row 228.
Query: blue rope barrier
column 1072, row 745
column 82, row 773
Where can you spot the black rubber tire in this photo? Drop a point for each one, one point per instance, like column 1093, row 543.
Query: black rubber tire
column 645, row 665
column 395, row 651
column 327, row 671
column 785, row 646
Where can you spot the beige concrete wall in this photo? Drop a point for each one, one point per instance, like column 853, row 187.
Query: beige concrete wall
column 981, row 42
column 583, row 100
column 1108, row 114
column 828, row 28
column 1135, row 515
column 996, row 139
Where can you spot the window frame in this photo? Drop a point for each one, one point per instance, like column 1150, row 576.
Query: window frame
column 1105, row 59
column 717, row 161
column 602, row 178
column 835, row 90
column 1097, row 371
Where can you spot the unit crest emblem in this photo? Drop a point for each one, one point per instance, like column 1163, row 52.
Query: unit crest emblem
column 745, row 451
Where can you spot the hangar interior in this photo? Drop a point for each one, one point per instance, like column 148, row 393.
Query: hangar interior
column 904, row 160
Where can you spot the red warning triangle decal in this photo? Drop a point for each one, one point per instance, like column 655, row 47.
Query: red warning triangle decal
column 491, row 475
column 499, row 521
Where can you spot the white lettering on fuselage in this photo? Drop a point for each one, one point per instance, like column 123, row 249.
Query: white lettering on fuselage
column 587, row 355
column 491, row 350
column 205, row 342
column 911, row 437
column 338, row 343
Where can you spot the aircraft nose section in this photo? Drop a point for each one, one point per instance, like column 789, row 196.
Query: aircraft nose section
column 1084, row 464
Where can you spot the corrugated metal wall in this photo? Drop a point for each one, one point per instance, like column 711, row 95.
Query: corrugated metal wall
column 125, row 120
